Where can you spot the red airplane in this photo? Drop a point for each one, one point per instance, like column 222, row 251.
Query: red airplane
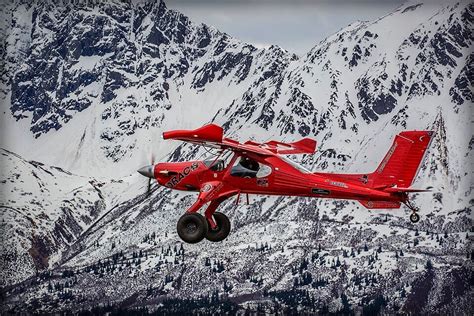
column 254, row 168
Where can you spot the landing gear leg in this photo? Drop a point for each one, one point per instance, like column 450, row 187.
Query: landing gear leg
column 193, row 227
column 219, row 224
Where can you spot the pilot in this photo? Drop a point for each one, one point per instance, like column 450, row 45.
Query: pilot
column 249, row 163
column 246, row 168
column 219, row 166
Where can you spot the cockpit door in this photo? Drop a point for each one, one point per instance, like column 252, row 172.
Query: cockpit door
column 250, row 174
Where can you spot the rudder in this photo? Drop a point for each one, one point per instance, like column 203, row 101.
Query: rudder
column 400, row 165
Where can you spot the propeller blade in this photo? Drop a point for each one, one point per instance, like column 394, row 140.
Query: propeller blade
column 152, row 163
column 149, row 171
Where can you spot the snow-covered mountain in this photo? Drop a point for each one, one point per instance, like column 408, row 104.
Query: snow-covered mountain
column 87, row 89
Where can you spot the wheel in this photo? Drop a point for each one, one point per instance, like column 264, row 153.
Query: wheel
column 414, row 217
column 221, row 231
column 192, row 227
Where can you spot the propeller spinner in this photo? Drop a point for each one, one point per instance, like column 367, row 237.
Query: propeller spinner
column 147, row 171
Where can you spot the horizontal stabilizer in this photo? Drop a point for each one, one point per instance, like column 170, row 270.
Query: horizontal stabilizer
column 380, row 204
column 407, row 190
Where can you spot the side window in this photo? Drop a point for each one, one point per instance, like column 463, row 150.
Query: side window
column 264, row 171
column 245, row 167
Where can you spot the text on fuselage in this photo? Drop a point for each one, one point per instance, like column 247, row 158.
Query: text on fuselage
column 183, row 174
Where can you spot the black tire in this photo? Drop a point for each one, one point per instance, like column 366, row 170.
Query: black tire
column 222, row 230
column 414, row 217
column 192, row 227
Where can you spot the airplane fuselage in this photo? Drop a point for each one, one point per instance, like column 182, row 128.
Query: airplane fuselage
column 284, row 179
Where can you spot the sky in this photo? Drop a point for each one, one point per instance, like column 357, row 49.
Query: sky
column 295, row 25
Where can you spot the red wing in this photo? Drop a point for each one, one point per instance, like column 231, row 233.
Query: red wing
column 208, row 134
column 212, row 135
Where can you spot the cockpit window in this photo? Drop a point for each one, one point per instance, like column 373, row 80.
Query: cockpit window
column 214, row 165
column 295, row 165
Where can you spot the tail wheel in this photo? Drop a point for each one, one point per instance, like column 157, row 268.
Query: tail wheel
column 414, row 217
column 222, row 230
column 192, row 227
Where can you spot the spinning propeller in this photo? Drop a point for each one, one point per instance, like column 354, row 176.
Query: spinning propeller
column 149, row 170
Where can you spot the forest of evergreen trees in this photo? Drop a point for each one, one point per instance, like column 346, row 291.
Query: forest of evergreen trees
column 285, row 302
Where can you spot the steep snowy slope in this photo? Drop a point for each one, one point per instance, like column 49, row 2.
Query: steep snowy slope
column 43, row 209
column 99, row 83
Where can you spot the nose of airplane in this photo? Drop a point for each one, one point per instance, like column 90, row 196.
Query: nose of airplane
column 147, row 171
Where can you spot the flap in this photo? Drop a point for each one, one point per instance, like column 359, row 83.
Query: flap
column 303, row 146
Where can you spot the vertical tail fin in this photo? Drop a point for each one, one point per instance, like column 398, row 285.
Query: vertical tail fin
column 401, row 163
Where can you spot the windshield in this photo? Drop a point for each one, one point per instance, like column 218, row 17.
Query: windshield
column 295, row 165
column 218, row 163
